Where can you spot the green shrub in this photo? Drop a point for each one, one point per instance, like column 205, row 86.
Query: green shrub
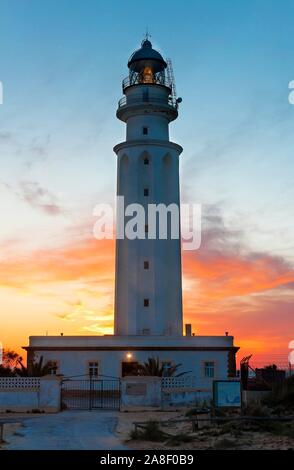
column 151, row 432
column 196, row 411
column 231, row 427
column 256, row 410
column 226, row 443
column 179, row 439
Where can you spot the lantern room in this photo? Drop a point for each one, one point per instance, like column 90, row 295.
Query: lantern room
column 147, row 66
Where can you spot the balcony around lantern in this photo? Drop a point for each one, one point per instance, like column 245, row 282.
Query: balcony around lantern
column 137, row 102
column 147, row 77
column 140, row 98
column 150, row 91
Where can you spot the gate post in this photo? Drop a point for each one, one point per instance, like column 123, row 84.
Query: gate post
column 50, row 393
column 102, row 397
column 91, row 393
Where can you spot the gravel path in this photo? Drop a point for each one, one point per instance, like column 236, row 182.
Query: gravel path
column 69, row 430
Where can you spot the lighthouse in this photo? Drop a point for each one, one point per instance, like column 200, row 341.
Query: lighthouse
column 148, row 313
column 148, row 290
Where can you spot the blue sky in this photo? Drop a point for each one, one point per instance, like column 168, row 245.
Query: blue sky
column 61, row 64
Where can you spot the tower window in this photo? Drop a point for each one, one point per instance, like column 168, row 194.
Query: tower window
column 146, row 302
column 146, row 161
column 145, row 130
column 146, row 228
column 146, row 264
column 146, row 192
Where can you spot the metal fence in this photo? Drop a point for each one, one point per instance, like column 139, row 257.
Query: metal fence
column 137, row 99
column 91, row 394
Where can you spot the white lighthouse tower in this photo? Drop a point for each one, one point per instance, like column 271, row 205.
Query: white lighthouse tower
column 148, row 317
column 148, row 294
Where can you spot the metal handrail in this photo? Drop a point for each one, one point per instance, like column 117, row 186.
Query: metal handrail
column 138, row 99
column 136, row 79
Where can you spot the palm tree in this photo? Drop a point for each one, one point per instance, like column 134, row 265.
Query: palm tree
column 6, row 371
column 153, row 367
column 10, row 360
column 37, row 369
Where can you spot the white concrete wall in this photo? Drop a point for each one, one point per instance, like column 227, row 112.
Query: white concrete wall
column 50, row 393
column 140, row 392
column 19, row 395
column 141, row 341
column 19, row 400
column 75, row 363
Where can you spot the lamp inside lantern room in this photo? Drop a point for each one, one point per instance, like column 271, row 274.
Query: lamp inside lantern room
column 147, row 76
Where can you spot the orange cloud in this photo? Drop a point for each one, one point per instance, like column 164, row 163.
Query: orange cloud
column 231, row 274
column 84, row 260
column 226, row 288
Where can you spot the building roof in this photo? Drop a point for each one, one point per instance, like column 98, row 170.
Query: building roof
column 146, row 56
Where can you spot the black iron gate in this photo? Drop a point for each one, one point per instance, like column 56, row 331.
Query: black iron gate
column 91, row 394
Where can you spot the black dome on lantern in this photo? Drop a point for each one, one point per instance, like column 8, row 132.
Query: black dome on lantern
column 146, row 57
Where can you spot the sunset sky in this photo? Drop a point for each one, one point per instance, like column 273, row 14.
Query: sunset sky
column 61, row 65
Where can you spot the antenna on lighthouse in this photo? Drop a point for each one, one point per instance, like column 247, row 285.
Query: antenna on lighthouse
column 172, row 83
column 171, row 78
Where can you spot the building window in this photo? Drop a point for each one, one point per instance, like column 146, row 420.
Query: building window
column 146, row 331
column 146, row 264
column 146, row 302
column 53, row 365
column 146, row 161
column 145, row 130
column 146, row 228
column 209, row 369
column 146, row 192
column 93, row 369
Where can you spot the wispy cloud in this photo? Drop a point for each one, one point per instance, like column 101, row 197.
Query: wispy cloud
column 5, row 136
column 32, row 151
column 38, row 151
column 37, row 197
column 40, row 198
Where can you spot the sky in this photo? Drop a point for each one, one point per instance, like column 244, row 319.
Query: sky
column 61, row 66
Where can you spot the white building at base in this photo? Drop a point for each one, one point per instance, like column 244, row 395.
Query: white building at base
column 148, row 282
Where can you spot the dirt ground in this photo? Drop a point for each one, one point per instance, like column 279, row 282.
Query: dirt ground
column 68, row 430
column 15, row 428
column 9, row 431
column 208, row 438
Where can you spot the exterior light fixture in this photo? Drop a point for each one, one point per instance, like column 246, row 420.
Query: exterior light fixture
column 129, row 355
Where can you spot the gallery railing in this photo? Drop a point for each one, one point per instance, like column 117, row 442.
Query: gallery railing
column 138, row 99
